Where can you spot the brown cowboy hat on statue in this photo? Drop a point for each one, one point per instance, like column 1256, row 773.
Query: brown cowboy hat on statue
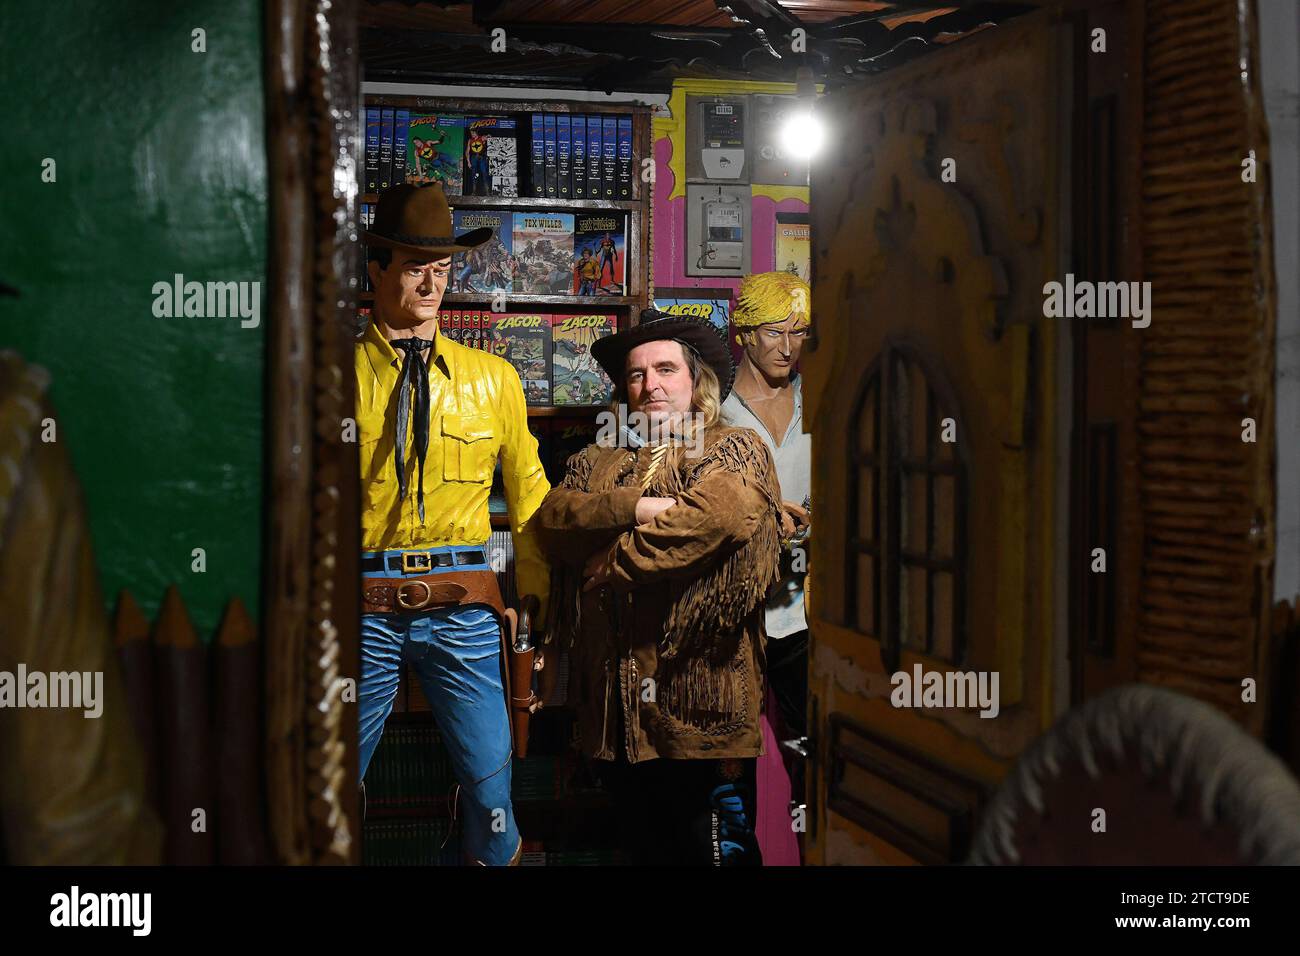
column 417, row 219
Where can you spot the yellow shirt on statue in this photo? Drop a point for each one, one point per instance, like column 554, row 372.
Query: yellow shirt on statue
column 477, row 412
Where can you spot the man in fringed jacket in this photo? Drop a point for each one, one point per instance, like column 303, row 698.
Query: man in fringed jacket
column 664, row 539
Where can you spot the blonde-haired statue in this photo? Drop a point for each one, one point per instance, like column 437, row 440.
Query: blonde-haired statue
column 770, row 298
column 772, row 318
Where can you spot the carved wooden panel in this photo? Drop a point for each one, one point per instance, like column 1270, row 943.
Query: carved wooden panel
column 937, row 218
column 918, row 805
column 953, row 270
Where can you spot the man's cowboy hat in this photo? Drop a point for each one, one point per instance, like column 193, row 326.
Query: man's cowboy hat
column 417, row 219
column 697, row 334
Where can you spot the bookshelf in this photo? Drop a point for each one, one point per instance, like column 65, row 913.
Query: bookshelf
column 639, row 284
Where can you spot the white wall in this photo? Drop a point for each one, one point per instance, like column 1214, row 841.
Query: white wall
column 1279, row 34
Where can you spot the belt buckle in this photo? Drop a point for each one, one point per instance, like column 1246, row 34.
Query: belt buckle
column 414, row 605
column 414, row 561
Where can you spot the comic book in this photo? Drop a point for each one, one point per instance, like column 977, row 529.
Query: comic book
column 595, row 157
column 372, row 149
column 563, row 156
column 434, row 147
column 448, row 320
column 476, row 332
column 625, row 157
column 549, row 129
column 524, row 340
column 599, row 254
column 609, row 156
column 401, row 133
column 491, row 156
column 485, row 268
column 470, row 337
column 542, row 246
column 576, row 376
column 537, row 157
column 711, row 304
column 579, row 136
column 793, row 248
column 385, row 148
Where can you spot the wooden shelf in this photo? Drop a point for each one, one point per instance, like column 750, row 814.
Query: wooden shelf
column 532, row 202
column 564, row 411
column 536, row 298
column 528, row 298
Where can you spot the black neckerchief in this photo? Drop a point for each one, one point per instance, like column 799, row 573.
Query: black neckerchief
column 414, row 378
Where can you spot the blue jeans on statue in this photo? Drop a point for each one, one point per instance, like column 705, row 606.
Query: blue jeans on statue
column 455, row 653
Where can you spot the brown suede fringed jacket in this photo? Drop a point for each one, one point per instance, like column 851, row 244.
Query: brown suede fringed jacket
column 671, row 650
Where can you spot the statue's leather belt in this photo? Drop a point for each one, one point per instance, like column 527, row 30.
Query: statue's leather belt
column 406, row 562
column 426, row 591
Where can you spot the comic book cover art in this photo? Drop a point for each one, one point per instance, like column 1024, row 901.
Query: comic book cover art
column 599, row 254
column 543, row 251
column 711, row 304
column 489, row 267
column 434, row 145
column 491, row 156
column 524, row 340
column 794, row 248
column 576, row 377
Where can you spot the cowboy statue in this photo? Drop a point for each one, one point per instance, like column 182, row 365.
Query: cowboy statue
column 434, row 417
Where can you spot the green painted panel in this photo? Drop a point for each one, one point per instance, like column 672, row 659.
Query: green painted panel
column 160, row 170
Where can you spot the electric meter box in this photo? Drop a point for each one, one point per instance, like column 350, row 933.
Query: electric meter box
column 717, row 230
column 771, row 164
column 717, row 139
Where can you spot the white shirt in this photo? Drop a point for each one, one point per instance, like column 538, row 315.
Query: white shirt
column 793, row 457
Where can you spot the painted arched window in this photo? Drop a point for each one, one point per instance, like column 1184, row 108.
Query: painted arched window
column 905, row 548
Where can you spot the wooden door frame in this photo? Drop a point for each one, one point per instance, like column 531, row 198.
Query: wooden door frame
column 312, row 534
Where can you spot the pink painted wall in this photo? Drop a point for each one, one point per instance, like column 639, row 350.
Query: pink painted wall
column 670, row 231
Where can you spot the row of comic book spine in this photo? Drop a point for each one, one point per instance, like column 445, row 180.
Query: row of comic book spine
column 570, row 155
column 581, row 156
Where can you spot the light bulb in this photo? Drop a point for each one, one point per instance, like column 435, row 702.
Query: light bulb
column 803, row 134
